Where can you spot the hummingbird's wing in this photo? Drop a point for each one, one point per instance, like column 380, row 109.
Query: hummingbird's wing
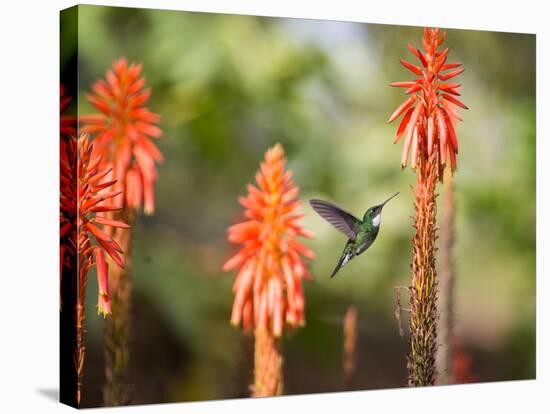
column 342, row 220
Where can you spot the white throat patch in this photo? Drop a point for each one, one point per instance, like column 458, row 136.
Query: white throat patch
column 376, row 220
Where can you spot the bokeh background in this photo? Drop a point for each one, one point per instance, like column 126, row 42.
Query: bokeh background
column 227, row 88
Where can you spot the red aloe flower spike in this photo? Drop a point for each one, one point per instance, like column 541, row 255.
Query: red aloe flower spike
column 430, row 91
column 431, row 139
column 270, row 249
column 123, row 129
column 268, row 287
column 82, row 195
column 91, row 197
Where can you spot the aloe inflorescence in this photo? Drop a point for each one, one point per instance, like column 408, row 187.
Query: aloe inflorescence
column 271, row 267
column 123, row 132
column 431, row 143
column 86, row 192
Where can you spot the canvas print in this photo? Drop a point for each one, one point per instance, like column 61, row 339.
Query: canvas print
column 255, row 206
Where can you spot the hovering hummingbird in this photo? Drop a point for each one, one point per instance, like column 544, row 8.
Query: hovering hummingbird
column 361, row 234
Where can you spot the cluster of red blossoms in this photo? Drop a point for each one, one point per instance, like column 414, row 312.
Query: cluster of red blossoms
column 86, row 192
column 268, row 287
column 427, row 123
column 122, row 132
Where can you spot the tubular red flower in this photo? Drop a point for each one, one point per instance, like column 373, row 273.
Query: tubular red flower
column 104, row 302
column 122, row 131
column 268, row 287
column 433, row 101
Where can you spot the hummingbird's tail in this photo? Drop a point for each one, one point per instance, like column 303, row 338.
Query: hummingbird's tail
column 346, row 257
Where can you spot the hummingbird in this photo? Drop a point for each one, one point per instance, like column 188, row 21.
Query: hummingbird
column 361, row 234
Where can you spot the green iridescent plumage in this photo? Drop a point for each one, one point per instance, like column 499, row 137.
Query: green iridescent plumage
column 361, row 233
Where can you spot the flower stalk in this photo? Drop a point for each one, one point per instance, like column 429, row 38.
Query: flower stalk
column 268, row 364
column 117, row 329
column 430, row 143
column 423, row 308
column 350, row 346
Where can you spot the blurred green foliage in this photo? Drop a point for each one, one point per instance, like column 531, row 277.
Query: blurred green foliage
column 227, row 88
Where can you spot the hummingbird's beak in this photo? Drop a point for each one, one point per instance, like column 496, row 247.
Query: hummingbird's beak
column 384, row 203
